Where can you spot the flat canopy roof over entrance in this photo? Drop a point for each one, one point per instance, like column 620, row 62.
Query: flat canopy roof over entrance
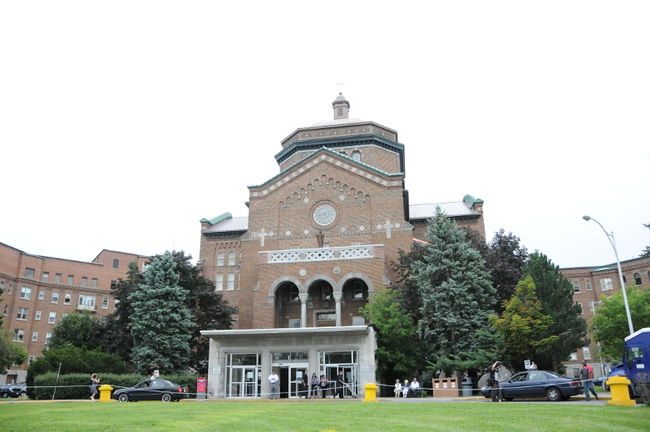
column 282, row 332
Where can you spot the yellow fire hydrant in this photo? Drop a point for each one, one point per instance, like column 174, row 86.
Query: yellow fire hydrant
column 618, row 385
column 371, row 393
column 105, row 393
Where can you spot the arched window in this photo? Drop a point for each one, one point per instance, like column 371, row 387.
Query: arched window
column 67, row 299
column 637, row 278
column 231, row 258
column 220, row 259
column 356, row 155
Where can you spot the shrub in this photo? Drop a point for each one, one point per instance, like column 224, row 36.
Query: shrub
column 77, row 385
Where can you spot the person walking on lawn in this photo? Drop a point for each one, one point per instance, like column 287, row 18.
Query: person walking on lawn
column 586, row 375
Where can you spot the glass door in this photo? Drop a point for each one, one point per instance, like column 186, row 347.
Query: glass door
column 243, row 382
column 295, row 377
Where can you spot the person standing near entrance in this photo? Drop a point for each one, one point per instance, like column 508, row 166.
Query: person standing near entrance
column 274, row 379
column 586, row 375
column 493, row 382
column 339, row 384
column 303, row 386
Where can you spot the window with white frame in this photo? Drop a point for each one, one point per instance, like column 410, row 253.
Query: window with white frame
column 218, row 285
column 41, row 295
column 48, row 336
column 67, row 299
column 86, row 300
column 22, row 314
column 45, row 276
column 34, row 336
column 26, row 293
column 588, row 284
column 573, row 356
column 55, row 297
column 220, row 259
column 31, row 358
column 231, row 258
column 105, row 303
column 586, row 354
column 592, row 306
column 576, row 286
column 231, row 282
column 19, row 335
column 37, row 315
column 52, row 318
column 606, row 284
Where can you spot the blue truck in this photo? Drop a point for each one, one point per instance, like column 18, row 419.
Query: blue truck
column 636, row 362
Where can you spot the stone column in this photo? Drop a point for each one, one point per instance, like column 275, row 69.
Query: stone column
column 303, row 309
column 337, row 298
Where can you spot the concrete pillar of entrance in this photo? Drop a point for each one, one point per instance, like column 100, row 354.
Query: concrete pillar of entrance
column 303, row 309
column 337, row 299
column 267, row 361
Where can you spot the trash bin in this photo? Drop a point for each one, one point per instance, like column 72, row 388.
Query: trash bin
column 467, row 386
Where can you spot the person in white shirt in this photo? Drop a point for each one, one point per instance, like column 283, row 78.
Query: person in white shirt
column 274, row 379
column 398, row 388
column 415, row 387
column 405, row 388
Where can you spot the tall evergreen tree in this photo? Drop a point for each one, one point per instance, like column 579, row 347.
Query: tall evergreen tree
column 161, row 324
column 555, row 293
column 522, row 325
column 457, row 299
column 210, row 310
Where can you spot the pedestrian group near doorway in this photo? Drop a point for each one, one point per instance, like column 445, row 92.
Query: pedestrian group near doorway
column 310, row 387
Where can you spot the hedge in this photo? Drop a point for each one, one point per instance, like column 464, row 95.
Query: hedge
column 77, row 386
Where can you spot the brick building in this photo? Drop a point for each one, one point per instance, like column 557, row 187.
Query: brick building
column 590, row 285
column 318, row 239
column 39, row 291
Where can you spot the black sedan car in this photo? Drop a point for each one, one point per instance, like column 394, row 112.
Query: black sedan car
column 537, row 383
column 10, row 390
column 151, row 389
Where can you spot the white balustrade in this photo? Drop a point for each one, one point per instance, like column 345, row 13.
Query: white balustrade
column 320, row 254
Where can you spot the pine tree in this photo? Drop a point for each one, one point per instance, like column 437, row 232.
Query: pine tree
column 160, row 323
column 522, row 325
column 210, row 310
column 555, row 293
column 457, row 299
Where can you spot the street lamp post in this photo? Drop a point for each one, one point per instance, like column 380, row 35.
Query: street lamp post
column 612, row 241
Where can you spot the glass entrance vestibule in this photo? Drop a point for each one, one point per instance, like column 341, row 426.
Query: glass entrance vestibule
column 244, row 372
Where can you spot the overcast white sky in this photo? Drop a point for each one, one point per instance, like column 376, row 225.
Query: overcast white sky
column 122, row 123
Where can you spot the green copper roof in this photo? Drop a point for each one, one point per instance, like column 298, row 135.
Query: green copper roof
column 333, row 153
column 218, row 219
column 471, row 200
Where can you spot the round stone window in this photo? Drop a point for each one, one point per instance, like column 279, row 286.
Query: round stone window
column 324, row 214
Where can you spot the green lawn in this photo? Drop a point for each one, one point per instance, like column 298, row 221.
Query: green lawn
column 318, row 416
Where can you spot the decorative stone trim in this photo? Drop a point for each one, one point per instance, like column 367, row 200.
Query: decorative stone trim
column 320, row 254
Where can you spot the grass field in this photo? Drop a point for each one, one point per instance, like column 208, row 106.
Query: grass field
column 318, row 416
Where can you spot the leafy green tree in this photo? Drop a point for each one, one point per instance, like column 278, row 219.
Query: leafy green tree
column 609, row 325
column 10, row 352
column 522, row 325
column 161, row 324
column 457, row 299
column 555, row 294
column 646, row 251
column 210, row 310
column 73, row 359
column 77, row 329
column 399, row 350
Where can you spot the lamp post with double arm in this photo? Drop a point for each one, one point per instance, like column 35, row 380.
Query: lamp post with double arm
column 612, row 241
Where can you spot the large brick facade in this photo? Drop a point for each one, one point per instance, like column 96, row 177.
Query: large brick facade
column 39, row 291
column 590, row 286
column 322, row 235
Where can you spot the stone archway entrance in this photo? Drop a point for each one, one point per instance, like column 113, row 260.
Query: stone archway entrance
column 355, row 296
column 321, row 305
column 287, row 305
